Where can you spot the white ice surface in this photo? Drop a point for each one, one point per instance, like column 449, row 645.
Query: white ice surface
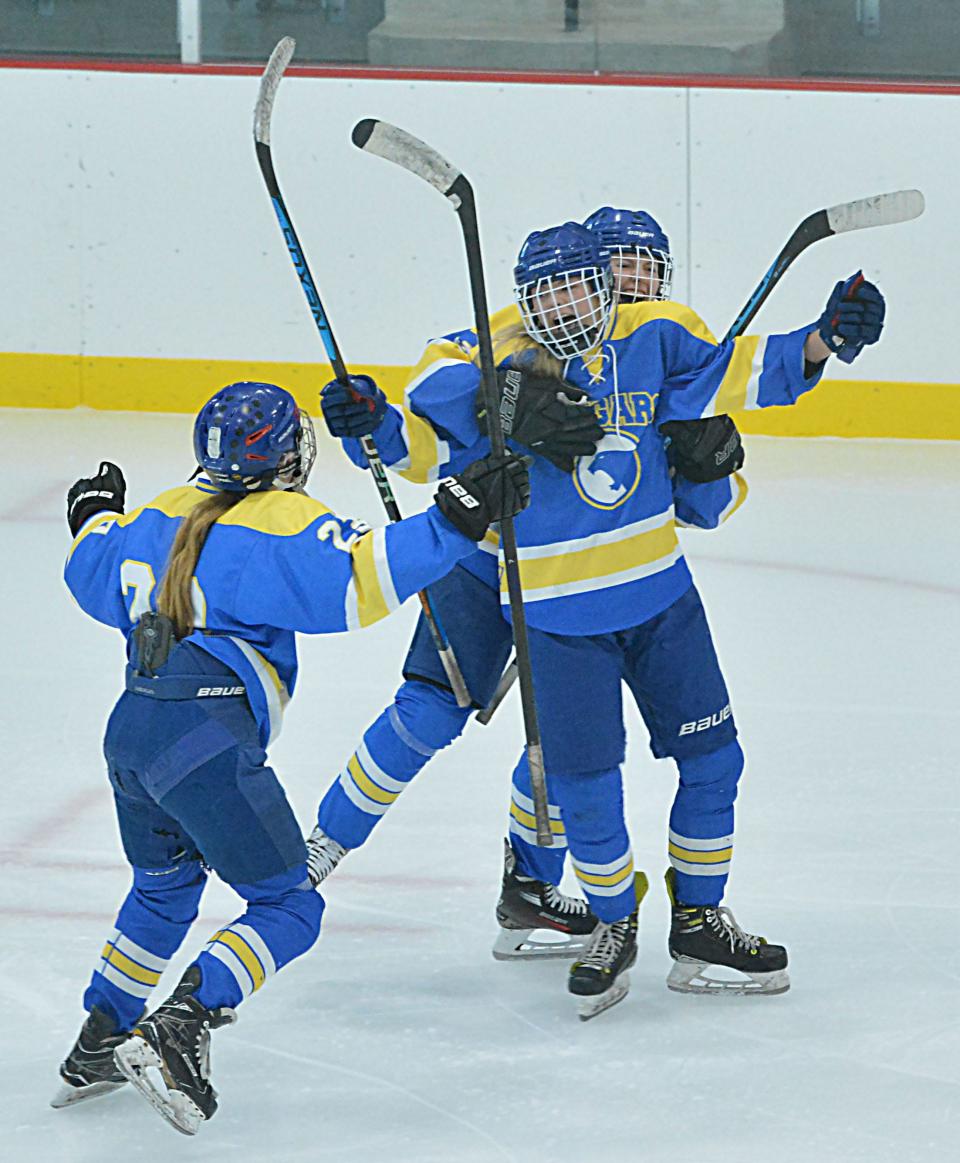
column 834, row 599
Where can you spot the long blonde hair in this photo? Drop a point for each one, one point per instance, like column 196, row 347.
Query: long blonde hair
column 532, row 356
column 175, row 596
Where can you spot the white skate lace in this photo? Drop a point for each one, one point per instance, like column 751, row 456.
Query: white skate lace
column 606, row 943
column 323, row 855
column 723, row 923
column 555, row 899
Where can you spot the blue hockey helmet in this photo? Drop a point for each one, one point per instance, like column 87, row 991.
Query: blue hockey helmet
column 563, row 285
column 253, row 436
column 640, row 252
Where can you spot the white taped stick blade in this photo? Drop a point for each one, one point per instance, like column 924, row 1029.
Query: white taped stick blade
column 281, row 56
column 396, row 145
column 880, row 210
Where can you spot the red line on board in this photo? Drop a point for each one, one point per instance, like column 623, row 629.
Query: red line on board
column 481, row 76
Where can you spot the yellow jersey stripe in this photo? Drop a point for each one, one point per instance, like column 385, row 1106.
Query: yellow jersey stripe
column 597, row 561
column 114, row 957
column 732, row 394
column 423, row 450
column 371, row 603
column 249, row 959
column 690, row 857
column 98, row 525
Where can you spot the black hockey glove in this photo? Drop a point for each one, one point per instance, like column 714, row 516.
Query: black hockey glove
column 487, row 490
column 703, row 450
column 552, row 418
column 103, row 493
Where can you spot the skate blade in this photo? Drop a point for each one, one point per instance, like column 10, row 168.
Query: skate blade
column 68, row 1095
column 537, row 944
column 141, row 1065
column 591, row 1007
column 695, row 977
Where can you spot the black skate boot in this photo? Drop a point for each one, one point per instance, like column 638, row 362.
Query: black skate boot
column 527, row 907
column 323, row 855
column 167, row 1057
column 600, row 977
column 712, row 954
column 89, row 1069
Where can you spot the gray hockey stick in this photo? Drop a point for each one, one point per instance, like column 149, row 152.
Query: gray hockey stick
column 407, row 151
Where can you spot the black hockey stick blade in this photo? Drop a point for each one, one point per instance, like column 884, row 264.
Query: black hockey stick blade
column 281, row 56
column 878, row 210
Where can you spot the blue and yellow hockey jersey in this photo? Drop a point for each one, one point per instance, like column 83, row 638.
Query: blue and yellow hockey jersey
column 276, row 563
column 598, row 549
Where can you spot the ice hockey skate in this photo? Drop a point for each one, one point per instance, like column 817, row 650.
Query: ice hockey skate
column 712, row 954
column 600, row 979
column 323, row 856
column 89, row 1070
column 167, row 1056
column 536, row 919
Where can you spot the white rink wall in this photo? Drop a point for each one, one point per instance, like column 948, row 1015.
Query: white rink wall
column 137, row 224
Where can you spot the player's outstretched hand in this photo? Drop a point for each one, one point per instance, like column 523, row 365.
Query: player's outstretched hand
column 355, row 409
column 703, row 450
column 852, row 318
column 487, row 490
column 552, row 418
column 104, row 492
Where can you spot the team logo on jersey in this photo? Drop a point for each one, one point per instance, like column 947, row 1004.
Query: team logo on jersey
column 609, row 477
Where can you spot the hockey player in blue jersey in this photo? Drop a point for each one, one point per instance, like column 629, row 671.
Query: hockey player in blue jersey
column 209, row 583
column 424, row 716
column 608, row 594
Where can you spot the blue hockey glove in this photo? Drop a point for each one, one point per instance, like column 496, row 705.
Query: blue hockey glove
column 852, row 318
column 105, row 492
column 355, row 409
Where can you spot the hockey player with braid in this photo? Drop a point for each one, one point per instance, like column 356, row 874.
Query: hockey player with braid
column 208, row 584
column 608, row 595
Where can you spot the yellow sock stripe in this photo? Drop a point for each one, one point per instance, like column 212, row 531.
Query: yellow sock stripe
column 610, row 878
column 249, row 959
column 732, row 393
column 530, row 821
column 131, row 969
column 370, row 789
column 691, row 857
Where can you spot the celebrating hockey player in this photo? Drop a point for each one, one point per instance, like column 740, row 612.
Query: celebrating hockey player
column 424, row 716
column 609, row 597
column 208, row 583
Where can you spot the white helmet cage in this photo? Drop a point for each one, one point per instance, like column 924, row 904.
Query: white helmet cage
column 570, row 313
column 651, row 265
column 294, row 467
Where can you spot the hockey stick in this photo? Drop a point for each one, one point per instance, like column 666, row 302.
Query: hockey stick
column 400, row 147
column 880, row 210
column 269, row 83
